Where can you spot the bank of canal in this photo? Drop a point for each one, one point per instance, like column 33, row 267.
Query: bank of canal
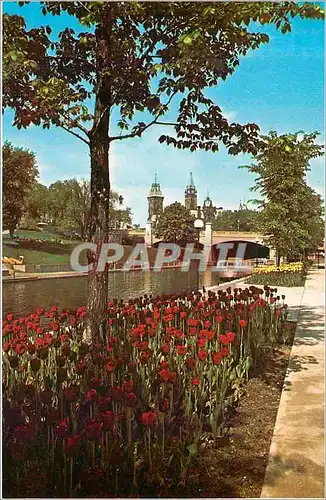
column 23, row 297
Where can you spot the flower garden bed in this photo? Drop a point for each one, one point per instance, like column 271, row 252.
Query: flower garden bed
column 289, row 275
column 129, row 414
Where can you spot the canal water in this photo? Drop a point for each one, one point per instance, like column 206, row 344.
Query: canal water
column 22, row 298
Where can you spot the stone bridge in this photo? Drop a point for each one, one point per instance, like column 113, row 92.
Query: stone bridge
column 255, row 245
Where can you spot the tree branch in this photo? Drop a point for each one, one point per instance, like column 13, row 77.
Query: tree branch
column 74, row 133
column 83, row 5
column 140, row 61
column 167, row 123
column 153, row 122
column 74, row 122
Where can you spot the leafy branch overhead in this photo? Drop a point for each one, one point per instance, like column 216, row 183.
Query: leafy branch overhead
column 159, row 53
column 291, row 216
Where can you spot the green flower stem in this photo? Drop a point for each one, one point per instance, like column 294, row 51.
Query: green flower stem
column 149, row 452
column 71, row 463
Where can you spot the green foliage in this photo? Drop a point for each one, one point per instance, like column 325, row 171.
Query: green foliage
column 291, row 212
column 117, row 214
column 278, row 279
column 38, row 202
column 176, row 225
column 157, row 52
column 67, row 203
column 236, row 220
column 19, row 175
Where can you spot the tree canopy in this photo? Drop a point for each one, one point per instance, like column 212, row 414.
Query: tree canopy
column 158, row 52
column 19, row 176
column 65, row 204
column 291, row 211
column 236, row 220
column 176, row 225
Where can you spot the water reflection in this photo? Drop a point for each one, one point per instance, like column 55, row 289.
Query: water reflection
column 24, row 297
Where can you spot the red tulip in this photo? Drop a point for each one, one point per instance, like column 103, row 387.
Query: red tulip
column 193, row 331
column 111, row 366
column 72, row 445
column 143, row 346
column 191, row 363
column 93, row 430
column 24, row 432
column 149, row 418
column 164, row 365
column 62, row 428
column 242, row 323
column 131, row 400
column 6, row 346
column 202, row 355
column 181, row 350
column 201, row 342
column 195, row 381
column 108, row 418
column 228, row 338
column 165, row 348
column 128, row 385
column 224, row 351
column 166, row 404
column 217, row 358
column 210, row 334
column 103, row 403
column 91, row 395
column 193, row 322
column 167, row 376
column 70, row 395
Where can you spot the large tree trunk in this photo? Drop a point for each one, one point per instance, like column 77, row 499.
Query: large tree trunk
column 98, row 223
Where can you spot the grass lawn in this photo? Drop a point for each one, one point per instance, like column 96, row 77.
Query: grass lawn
column 50, row 253
column 35, row 256
column 47, row 252
column 37, row 235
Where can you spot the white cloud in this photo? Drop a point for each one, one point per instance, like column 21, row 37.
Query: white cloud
column 229, row 115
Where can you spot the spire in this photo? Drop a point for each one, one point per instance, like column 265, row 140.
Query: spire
column 156, row 188
column 191, row 186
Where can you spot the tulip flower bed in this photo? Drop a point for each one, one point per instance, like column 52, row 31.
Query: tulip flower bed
column 292, row 274
column 127, row 412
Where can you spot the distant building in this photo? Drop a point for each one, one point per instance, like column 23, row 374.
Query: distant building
column 155, row 207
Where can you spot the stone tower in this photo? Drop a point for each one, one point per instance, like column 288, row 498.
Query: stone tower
column 191, row 196
column 155, row 201
column 155, row 208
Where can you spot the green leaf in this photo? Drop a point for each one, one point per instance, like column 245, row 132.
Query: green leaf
column 192, row 448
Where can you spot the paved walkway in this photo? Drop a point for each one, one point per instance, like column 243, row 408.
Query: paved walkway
column 296, row 462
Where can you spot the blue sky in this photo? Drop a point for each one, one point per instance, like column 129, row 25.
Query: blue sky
column 279, row 86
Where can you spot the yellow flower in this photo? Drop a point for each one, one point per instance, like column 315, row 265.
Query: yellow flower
column 292, row 267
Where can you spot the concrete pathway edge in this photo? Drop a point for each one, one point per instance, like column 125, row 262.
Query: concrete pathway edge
column 296, row 461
